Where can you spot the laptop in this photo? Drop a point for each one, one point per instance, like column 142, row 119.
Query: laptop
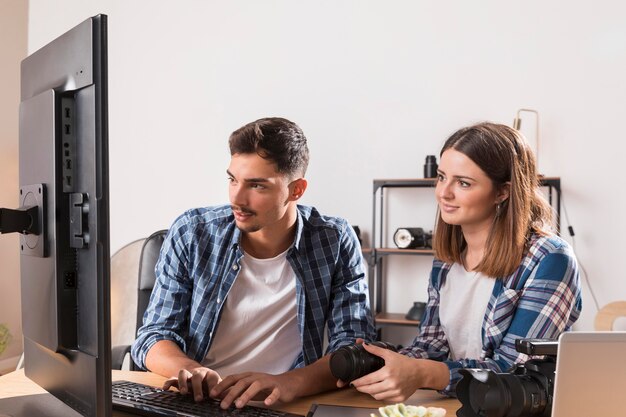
column 590, row 375
column 323, row 410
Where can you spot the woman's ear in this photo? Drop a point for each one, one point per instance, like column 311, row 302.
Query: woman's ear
column 504, row 192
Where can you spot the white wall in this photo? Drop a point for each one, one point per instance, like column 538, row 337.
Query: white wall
column 375, row 85
column 13, row 40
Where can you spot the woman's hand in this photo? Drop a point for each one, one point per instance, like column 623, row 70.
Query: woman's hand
column 401, row 376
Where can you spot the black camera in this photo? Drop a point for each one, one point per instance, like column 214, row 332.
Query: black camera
column 526, row 390
column 412, row 238
column 351, row 362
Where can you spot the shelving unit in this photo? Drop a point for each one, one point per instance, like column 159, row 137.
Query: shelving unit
column 377, row 253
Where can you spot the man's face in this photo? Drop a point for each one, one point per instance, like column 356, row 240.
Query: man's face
column 259, row 195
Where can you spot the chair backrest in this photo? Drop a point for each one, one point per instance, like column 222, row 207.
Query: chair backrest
column 132, row 280
column 608, row 315
column 147, row 261
column 124, row 270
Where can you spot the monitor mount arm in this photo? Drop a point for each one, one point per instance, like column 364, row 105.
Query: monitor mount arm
column 24, row 220
column 29, row 220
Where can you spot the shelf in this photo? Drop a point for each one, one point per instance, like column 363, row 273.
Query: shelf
column 431, row 182
column 404, row 182
column 395, row 318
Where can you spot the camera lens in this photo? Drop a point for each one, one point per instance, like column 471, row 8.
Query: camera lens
column 486, row 393
column 351, row 362
column 430, row 167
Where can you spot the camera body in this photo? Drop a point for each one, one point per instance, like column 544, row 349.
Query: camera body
column 352, row 362
column 526, row 390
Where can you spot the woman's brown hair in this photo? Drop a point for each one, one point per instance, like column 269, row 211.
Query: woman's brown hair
column 504, row 155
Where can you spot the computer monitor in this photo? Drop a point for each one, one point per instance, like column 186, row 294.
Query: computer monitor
column 64, row 218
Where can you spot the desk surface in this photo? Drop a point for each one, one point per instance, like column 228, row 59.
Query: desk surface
column 16, row 384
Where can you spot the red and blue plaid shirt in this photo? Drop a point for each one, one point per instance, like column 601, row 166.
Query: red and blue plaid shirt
column 541, row 299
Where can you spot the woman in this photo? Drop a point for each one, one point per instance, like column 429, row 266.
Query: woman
column 499, row 272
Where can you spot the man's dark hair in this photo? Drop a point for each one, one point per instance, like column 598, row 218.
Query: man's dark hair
column 274, row 138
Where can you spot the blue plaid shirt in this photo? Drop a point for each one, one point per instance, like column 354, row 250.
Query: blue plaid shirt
column 201, row 259
column 541, row 299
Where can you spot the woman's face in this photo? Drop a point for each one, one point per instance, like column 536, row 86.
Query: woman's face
column 465, row 194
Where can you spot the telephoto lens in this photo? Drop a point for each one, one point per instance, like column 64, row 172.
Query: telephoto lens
column 430, row 167
column 527, row 392
column 352, row 362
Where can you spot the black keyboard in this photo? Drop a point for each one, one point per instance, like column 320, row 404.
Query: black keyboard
column 145, row 400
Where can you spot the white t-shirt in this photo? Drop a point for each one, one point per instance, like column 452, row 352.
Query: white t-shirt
column 258, row 328
column 462, row 305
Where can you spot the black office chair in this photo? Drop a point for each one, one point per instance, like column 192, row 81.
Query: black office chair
column 147, row 261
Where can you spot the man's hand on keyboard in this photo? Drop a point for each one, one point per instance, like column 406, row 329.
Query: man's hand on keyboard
column 241, row 388
column 197, row 381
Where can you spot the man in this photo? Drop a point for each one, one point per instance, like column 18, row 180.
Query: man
column 247, row 289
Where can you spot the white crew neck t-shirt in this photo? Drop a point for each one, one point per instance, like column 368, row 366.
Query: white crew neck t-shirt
column 462, row 304
column 258, row 328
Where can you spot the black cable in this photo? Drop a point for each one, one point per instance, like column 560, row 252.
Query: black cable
column 570, row 229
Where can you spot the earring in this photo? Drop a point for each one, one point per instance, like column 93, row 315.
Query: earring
column 498, row 209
